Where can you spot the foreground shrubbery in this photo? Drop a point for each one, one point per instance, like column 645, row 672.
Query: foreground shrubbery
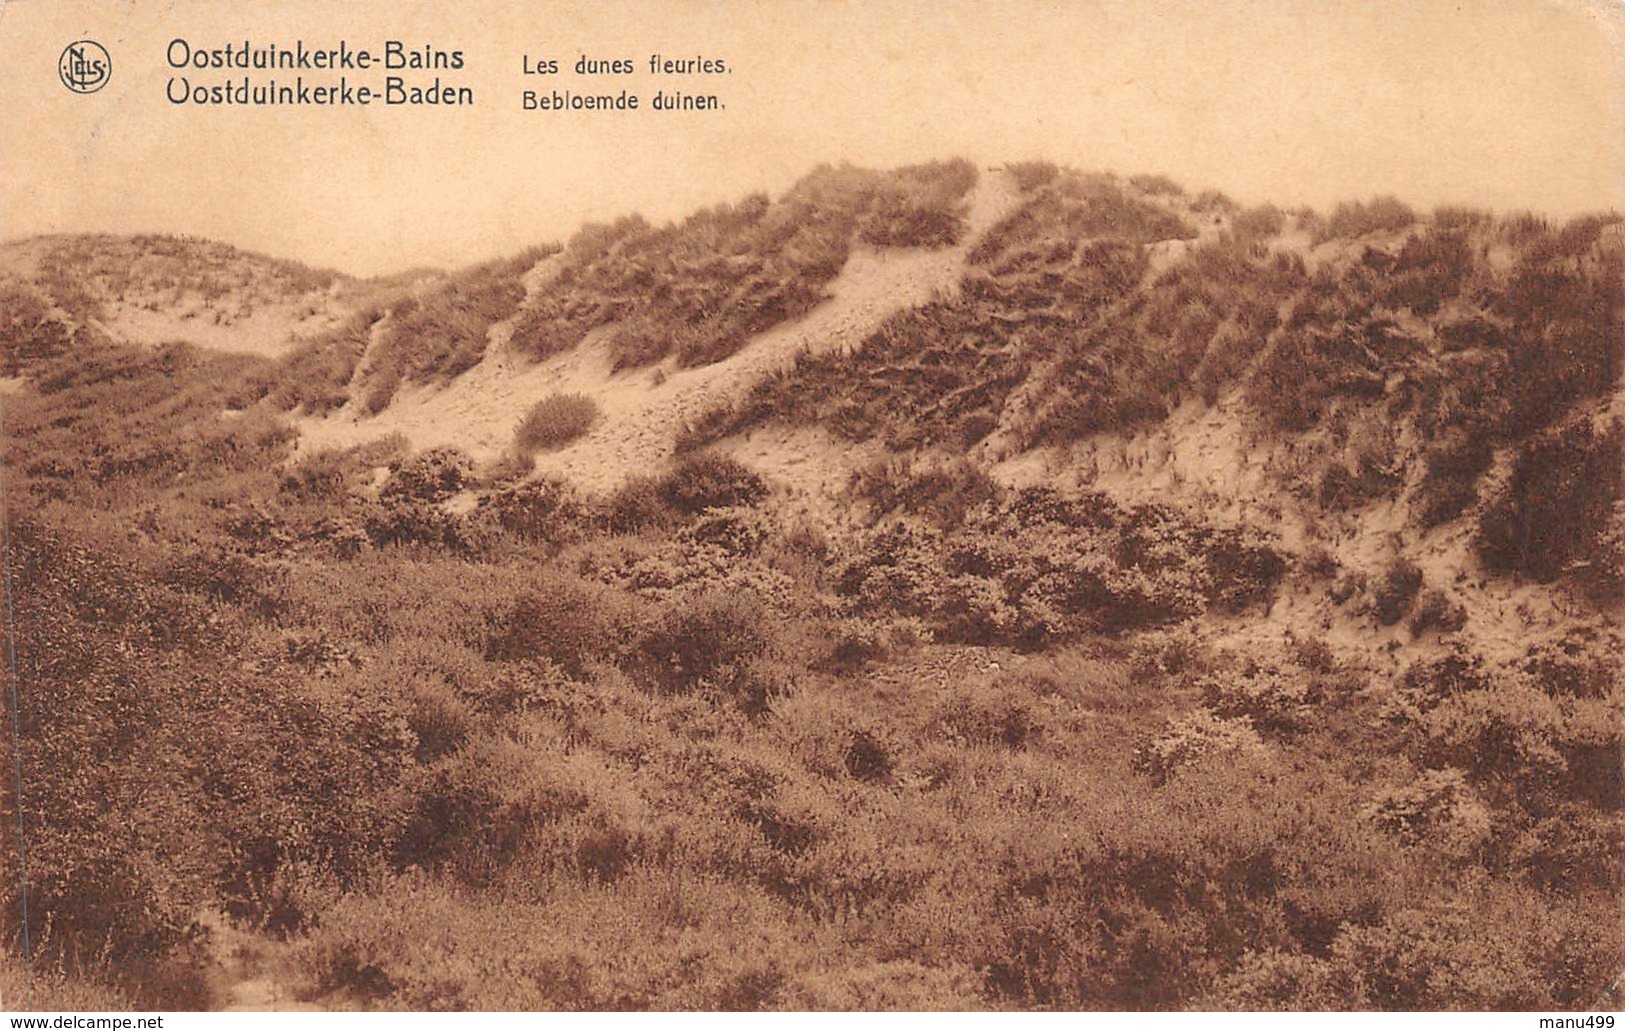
column 1044, row 566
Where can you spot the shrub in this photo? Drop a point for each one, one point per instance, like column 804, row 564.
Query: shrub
column 858, row 642
column 1439, row 809
column 920, row 207
column 1079, row 206
column 1392, row 596
column 1265, row 220
column 710, row 481
column 1156, row 185
column 1428, row 682
column 1271, row 699
column 944, row 494
column 28, row 332
column 317, row 375
column 1450, row 486
column 442, row 332
column 537, row 511
column 381, row 388
column 1436, row 611
column 430, row 476
column 1359, row 218
column 1195, row 739
column 715, row 643
column 1277, row 979
column 1453, row 952
column 1030, row 175
column 637, row 504
column 1450, row 216
column 1557, row 504
column 1046, row 565
column 554, row 421
column 735, row 532
column 566, row 622
column 1209, row 201
column 1581, row 661
column 988, row 714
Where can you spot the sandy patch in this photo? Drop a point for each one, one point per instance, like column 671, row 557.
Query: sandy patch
column 270, row 331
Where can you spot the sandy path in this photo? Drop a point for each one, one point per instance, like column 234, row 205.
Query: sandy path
column 244, row 972
column 643, row 409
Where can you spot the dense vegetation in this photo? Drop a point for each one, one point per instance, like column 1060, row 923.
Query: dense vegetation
column 943, row 372
column 701, row 288
column 457, row 738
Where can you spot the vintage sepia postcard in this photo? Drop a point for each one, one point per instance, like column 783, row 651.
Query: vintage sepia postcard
column 812, row 505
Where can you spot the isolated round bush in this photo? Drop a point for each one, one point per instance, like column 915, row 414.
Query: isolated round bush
column 555, row 421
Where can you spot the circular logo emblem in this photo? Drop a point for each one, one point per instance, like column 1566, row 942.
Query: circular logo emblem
column 84, row 66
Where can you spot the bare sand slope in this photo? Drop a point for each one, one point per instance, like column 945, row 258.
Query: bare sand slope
column 641, row 410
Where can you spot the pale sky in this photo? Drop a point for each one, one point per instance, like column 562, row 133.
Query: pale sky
column 1501, row 103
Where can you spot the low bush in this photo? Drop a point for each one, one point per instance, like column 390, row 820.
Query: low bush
column 554, row 421
column 316, row 376
column 429, row 476
column 1213, row 202
column 1437, row 611
column 1258, row 223
column 1439, row 809
column 1360, row 218
column 637, row 504
column 1272, row 699
column 715, row 644
column 546, row 512
column 944, row 494
column 440, row 333
column 568, row 623
column 29, row 333
column 921, row 206
column 1558, row 503
column 1453, row 467
column 710, row 481
column 1044, row 566
column 1156, row 185
column 1030, row 175
column 1392, row 597
column 1194, row 740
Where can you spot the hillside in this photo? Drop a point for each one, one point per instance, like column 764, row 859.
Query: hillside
column 937, row 588
column 151, row 290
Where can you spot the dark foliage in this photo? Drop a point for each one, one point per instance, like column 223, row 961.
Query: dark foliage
column 1557, row 505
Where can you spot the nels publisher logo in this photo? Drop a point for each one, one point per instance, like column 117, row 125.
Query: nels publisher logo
column 85, row 66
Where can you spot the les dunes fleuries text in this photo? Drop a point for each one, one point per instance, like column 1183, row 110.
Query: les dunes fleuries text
column 599, row 68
